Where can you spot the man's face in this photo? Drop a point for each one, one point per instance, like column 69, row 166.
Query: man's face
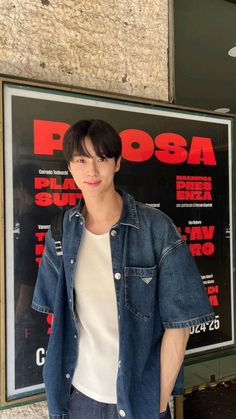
column 93, row 175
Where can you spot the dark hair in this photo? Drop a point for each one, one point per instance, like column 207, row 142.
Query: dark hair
column 105, row 140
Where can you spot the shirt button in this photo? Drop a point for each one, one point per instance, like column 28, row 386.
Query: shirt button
column 122, row 413
column 77, row 214
column 67, row 375
column 72, row 261
column 119, row 363
column 114, row 233
column 117, row 275
column 75, row 337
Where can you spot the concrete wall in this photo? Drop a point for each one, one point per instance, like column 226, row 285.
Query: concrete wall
column 118, row 46
column 112, row 45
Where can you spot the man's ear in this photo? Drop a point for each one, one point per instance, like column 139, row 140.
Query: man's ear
column 118, row 162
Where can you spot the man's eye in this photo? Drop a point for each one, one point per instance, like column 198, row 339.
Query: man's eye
column 80, row 160
column 101, row 159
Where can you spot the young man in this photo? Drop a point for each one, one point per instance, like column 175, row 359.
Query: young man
column 123, row 295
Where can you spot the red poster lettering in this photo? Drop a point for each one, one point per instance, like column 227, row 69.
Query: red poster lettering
column 53, row 183
column 213, row 289
column 193, row 186
column 193, row 196
column 40, row 236
column 171, row 148
column 213, row 299
column 137, row 145
column 48, row 136
column 201, row 151
column 50, row 322
column 45, row 199
column 39, row 249
column 198, row 249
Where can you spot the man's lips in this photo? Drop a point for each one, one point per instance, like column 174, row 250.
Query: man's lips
column 93, row 183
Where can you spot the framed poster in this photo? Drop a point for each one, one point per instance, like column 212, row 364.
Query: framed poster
column 178, row 161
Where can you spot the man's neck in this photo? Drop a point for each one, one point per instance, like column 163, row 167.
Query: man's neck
column 101, row 212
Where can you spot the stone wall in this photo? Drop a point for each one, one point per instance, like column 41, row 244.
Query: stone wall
column 111, row 45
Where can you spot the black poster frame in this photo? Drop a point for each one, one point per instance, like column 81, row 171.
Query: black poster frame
column 12, row 92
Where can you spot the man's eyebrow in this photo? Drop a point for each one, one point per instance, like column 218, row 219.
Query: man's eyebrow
column 80, row 155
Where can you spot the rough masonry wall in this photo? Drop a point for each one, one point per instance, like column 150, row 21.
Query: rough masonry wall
column 111, row 45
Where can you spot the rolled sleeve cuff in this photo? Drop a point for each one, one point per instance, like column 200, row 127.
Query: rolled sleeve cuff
column 42, row 309
column 188, row 323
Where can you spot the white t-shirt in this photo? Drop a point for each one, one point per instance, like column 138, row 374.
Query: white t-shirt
column 96, row 309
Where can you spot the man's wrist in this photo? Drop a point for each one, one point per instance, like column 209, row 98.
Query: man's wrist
column 164, row 401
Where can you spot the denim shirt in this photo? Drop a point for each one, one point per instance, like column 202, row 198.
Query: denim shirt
column 157, row 286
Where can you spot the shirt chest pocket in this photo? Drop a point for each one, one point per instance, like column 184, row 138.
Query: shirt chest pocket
column 140, row 289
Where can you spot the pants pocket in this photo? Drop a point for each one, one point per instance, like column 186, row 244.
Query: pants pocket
column 72, row 394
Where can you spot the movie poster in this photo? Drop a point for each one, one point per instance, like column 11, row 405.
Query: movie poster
column 176, row 161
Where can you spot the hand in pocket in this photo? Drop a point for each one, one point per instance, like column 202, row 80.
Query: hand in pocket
column 166, row 414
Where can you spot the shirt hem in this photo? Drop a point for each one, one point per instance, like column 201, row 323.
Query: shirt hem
column 94, row 396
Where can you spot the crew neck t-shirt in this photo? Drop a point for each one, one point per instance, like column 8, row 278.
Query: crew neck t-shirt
column 96, row 310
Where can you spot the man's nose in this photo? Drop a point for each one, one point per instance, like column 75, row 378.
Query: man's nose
column 92, row 168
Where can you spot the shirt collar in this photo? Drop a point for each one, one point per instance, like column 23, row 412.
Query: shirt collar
column 129, row 214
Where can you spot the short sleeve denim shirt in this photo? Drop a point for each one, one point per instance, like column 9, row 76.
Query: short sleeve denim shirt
column 157, row 286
